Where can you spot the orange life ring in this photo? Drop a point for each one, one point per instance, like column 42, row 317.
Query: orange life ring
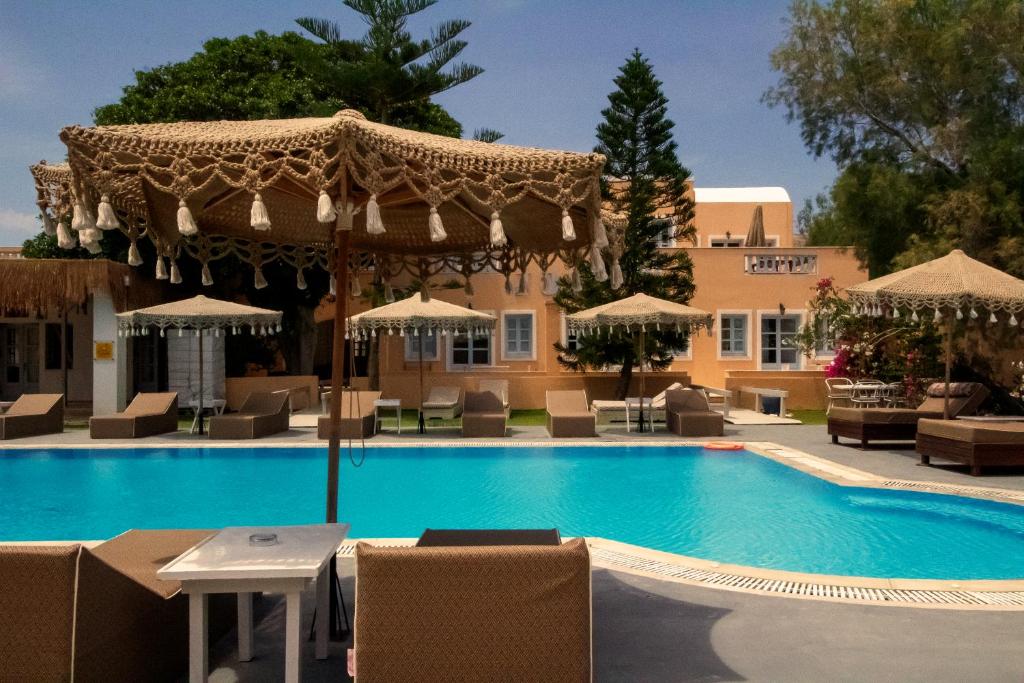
column 723, row 446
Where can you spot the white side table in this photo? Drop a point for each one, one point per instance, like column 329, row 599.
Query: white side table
column 215, row 404
column 388, row 403
column 228, row 563
column 634, row 403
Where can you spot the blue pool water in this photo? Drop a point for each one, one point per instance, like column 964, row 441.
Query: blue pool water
column 734, row 507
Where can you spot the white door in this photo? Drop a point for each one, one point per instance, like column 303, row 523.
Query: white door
column 778, row 342
column 20, row 360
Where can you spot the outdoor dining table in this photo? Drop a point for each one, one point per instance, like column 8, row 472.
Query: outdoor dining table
column 246, row 560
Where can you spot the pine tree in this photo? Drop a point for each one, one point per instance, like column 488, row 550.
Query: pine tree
column 646, row 184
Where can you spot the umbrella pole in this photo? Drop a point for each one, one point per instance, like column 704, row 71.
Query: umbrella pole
column 342, row 229
column 640, row 355
column 949, row 364
column 200, row 404
column 422, row 425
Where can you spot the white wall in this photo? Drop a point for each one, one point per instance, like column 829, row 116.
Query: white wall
column 109, row 377
column 183, row 365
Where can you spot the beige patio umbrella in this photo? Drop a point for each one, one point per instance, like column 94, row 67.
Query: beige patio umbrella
column 950, row 288
column 199, row 314
column 755, row 235
column 336, row 193
column 637, row 313
column 420, row 316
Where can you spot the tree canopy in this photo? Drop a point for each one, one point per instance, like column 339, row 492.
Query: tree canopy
column 644, row 178
column 921, row 104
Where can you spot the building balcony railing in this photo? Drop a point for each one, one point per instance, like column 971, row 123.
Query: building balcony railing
column 780, row 264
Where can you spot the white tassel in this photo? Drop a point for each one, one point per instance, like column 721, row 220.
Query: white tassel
column 81, row 219
column 597, row 265
column 300, row 277
column 259, row 219
column 355, row 288
column 48, row 227
column 161, row 268
column 914, row 317
column 437, row 233
column 524, row 284
column 992, row 320
column 93, row 247
column 550, row 286
column 333, row 286
column 577, row 281
column 600, row 235
column 65, row 240
column 616, row 274
column 186, row 223
column 568, row 229
column 974, row 314
column 105, row 217
column 508, row 285
column 325, row 212
column 1013, row 320
column 374, row 224
column 134, row 257
column 959, row 314
column 389, row 293
column 895, row 314
column 175, row 273
column 258, row 281
column 207, row 275
column 938, row 316
column 498, row 238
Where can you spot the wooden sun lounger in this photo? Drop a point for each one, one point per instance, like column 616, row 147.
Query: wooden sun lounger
column 262, row 414
column 568, row 415
column 33, row 415
column 358, row 416
column 900, row 424
column 976, row 444
column 147, row 415
column 688, row 413
column 472, row 613
column 443, row 403
column 483, row 415
column 499, row 387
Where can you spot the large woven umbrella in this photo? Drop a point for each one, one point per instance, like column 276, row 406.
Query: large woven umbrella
column 200, row 314
column 421, row 317
column 335, row 193
column 950, row 288
column 636, row 314
column 755, row 235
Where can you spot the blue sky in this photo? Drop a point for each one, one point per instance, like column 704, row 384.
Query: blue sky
column 549, row 67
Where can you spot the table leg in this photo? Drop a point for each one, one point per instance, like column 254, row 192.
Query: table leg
column 782, row 406
column 293, row 613
column 323, row 610
column 195, row 421
column 198, row 661
column 245, row 627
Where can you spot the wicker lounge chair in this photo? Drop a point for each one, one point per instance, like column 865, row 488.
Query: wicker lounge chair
column 358, row 416
column 147, row 415
column 483, row 415
column 443, row 403
column 568, row 415
column 32, row 415
column 499, row 387
column 498, row 613
column 615, row 411
column 974, row 443
column 261, row 415
column 72, row 613
column 900, row 424
column 688, row 413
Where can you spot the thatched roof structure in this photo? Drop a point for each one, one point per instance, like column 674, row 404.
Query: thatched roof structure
column 33, row 287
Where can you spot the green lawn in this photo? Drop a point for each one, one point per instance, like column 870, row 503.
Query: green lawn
column 810, row 417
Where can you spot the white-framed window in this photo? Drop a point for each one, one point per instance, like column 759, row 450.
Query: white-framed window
column 466, row 351
column 826, row 345
column 518, row 335
column 666, row 237
column 723, row 241
column 734, row 335
column 779, row 350
column 412, row 346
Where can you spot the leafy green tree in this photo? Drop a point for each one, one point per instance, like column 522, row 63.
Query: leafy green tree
column 646, row 183
column 925, row 97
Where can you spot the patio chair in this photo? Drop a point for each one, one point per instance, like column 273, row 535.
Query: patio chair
column 568, row 415
column 146, row 415
column 615, row 411
column 508, row 613
column 838, row 389
column 900, row 424
column 500, row 388
column 975, row 443
column 33, row 415
column 688, row 413
column 483, row 415
column 68, row 612
column 443, row 403
column 262, row 414
column 358, row 416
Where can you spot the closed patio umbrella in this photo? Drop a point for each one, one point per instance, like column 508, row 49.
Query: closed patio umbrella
column 950, row 288
column 755, row 235
column 637, row 313
column 200, row 314
column 420, row 316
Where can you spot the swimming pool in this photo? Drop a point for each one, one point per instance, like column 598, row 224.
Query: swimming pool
column 734, row 507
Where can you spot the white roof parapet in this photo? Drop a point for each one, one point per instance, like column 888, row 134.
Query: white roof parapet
column 741, row 195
